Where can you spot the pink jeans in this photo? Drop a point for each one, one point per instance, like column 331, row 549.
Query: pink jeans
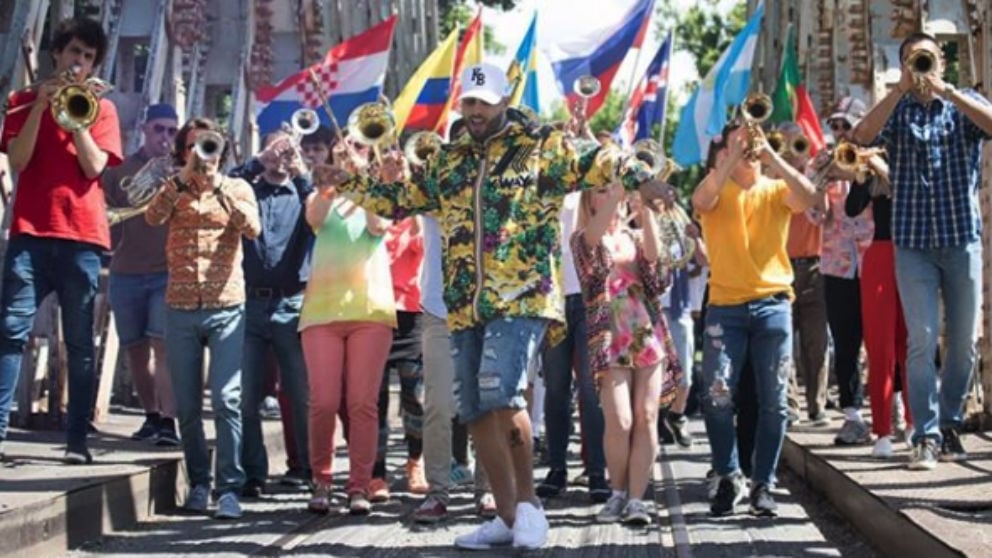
column 345, row 359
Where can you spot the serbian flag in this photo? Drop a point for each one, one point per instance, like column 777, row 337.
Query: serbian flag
column 351, row 74
column 792, row 101
column 648, row 103
column 579, row 43
column 469, row 54
column 420, row 105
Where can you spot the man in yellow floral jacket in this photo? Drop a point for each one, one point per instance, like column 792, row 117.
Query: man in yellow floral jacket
column 496, row 193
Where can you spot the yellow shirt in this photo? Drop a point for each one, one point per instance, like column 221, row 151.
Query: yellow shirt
column 746, row 235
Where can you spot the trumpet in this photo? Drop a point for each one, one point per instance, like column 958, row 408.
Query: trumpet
column 650, row 152
column 755, row 110
column 798, row 146
column 921, row 63
column 372, row 124
column 141, row 188
column 851, row 158
column 587, row 86
column 303, row 122
column 776, row 141
column 75, row 105
column 421, row 147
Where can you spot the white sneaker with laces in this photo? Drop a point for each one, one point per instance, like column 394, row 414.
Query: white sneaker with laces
column 883, row 448
column 612, row 510
column 530, row 528
column 489, row 534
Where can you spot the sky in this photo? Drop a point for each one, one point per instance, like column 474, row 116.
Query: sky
column 509, row 28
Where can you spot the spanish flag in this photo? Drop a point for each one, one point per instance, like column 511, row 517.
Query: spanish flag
column 424, row 98
column 522, row 73
column 469, row 54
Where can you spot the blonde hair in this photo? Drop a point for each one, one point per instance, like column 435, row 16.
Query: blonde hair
column 586, row 211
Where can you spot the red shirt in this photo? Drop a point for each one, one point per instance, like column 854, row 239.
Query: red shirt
column 54, row 198
column 406, row 254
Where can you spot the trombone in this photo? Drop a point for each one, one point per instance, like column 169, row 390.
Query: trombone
column 421, row 147
column 372, row 124
column 75, row 105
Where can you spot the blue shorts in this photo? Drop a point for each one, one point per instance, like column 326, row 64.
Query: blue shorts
column 138, row 303
column 491, row 364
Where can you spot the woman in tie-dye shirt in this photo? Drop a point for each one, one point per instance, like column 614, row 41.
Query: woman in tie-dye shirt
column 346, row 325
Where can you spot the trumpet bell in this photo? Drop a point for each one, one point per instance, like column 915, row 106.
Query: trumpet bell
column 209, row 146
column 846, row 156
column 776, row 141
column 421, row 147
column 756, row 108
column 74, row 107
column 371, row 124
column 587, row 86
column 304, row 122
column 921, row 61
column 800, row 145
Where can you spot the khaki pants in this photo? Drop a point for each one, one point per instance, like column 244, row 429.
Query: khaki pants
column 809, row 328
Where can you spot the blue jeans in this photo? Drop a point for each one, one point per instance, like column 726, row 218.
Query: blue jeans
column 683, row 337
column 272, row 322
column 956, row 272
column 33, row 267
column 559, row 363
column 759, row 330
column 138, row 302
column 491, row 363
column 222, row 331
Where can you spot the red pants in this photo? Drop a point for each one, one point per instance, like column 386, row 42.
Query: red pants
column 884, row 333
column 344, row 362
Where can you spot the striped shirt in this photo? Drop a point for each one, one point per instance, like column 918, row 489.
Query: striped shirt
column 934, row 158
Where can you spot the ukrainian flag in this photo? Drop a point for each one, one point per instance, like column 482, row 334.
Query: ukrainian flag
column 522, row 73
column 422, row 103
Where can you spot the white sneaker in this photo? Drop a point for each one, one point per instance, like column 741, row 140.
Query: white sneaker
column 883, row 448
column 612, row 510
column 530, row 528
column 490, row 533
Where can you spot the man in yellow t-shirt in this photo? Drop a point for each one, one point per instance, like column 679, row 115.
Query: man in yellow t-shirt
column 745, row 220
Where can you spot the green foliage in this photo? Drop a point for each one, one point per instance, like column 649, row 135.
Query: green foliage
column 459, row 13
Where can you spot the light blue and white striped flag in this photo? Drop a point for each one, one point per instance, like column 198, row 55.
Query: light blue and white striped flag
column 726, row 85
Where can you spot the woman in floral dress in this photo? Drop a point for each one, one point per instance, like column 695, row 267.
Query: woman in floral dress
column 630, row 350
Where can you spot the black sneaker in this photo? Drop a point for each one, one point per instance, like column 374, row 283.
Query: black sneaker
column 762, row 503
column 149, row 430
column 79, row 456
column 167, row 436
column 665, row 436
column 553, row 485
column 728, row 494
column 297, row 478
column 951, row 448
column 253, row 488
column 679, row 427
column 599, row 489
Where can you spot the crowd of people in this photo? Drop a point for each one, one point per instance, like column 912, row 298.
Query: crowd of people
column 516, row 254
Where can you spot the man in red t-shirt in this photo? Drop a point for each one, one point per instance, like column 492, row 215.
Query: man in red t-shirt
column 59, row 226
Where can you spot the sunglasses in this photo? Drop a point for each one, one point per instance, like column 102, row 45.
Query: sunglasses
column 838, row 125
column 159, row 128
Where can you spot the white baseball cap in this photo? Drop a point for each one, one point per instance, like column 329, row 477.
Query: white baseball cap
column 485, row 82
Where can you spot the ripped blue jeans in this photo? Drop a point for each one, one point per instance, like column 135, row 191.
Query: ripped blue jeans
column 759, row 330
column 491, row 363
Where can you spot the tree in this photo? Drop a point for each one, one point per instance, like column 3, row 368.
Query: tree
column 458, row 12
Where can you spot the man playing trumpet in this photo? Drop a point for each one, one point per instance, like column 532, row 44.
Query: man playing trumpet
column 497, row 192
column 59, row 226
column 933, row 134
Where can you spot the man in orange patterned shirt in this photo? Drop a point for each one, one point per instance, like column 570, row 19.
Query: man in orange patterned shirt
column 207, row 214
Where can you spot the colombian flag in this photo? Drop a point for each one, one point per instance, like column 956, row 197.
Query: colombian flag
column 424, row 99
column 469, row 54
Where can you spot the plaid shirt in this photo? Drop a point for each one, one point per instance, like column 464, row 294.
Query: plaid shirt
column 934, row 159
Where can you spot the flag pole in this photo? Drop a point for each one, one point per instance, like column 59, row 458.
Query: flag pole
column 640, row 50
column 327, row 106
column 668, row 88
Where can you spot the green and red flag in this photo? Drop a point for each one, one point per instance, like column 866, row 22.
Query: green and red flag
column 792, row 101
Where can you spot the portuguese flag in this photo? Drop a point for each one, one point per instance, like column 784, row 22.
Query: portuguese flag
column 791, row 100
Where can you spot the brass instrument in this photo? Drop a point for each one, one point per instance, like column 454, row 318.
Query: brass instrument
column 755, row 110
column 209, row 146
column 650, row 152
column 851, row 158
column 587, row 86
column 304, row 122
column 776, row 141
column 141, row 188
column 800, row 145
column 372, row 124
column 75, row 105
column 676, row 248
column 921, row 63
column 421, row 147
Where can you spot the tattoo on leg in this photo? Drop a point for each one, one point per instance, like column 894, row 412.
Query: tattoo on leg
column 516, row 440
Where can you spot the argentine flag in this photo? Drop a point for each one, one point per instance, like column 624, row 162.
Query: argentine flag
column 726, row 85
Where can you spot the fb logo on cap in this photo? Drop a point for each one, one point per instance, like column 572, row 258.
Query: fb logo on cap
column 478, row 77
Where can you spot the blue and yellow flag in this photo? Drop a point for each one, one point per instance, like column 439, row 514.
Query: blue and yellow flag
column 522, row 73
column 422, row 102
